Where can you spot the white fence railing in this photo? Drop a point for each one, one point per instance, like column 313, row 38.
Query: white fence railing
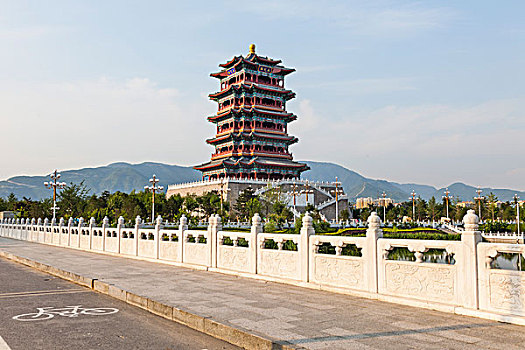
column 456, row 276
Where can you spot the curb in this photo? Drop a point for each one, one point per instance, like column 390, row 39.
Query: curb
column 202, row 324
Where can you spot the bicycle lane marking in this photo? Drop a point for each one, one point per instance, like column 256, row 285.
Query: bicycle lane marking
column 3, row 344
column 47, row 313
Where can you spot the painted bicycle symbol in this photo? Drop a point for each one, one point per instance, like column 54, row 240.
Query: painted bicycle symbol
column 46, row 313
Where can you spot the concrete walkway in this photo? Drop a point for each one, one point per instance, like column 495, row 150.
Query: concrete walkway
column 293, row 317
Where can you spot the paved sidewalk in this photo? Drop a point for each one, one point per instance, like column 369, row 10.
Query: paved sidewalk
column 303, row 317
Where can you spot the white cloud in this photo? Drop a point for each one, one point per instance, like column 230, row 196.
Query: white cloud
column 85, row 123
column 364, row 86
column 434, row 144
column 372, row 18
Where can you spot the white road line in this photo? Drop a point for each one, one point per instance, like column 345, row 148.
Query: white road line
column 3, row 345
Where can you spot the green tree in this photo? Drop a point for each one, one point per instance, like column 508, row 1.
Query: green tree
column 491, row 200
column 242, row 206
column 344, row 215
column 71, row 200
column 432, row 208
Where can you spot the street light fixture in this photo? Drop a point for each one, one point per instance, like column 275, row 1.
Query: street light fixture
column 153, row 188
column 413, row 196
column 337, row 191
column 294, row 194
column 517, row 212
column 384, row 206
column 54, row 184
column 479, row 198
column 307, row 191
column 446, row 197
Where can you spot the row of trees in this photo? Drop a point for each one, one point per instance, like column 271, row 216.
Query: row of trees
column 76, row 201
column 491, row 210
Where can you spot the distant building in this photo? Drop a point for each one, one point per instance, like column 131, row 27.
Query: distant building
column 383, row 202
column 7, row 215
column 295, row 193
column 361, row 203
column 365, row 202
column 465, row 204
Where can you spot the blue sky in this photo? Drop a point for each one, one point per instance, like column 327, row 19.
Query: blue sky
column 430, row 92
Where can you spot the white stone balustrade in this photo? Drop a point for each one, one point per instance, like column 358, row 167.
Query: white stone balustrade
column 467, row 284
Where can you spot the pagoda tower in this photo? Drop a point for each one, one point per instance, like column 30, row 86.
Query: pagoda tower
column 252, row 140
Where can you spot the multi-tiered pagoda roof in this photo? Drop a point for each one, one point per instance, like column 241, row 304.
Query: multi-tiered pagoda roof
column 252, row 122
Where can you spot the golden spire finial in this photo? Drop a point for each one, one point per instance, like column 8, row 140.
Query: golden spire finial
column 252, row 48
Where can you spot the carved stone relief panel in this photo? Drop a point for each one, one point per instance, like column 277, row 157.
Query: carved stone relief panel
column 507, row 291
column 425, row 281
column 279, row 264
column 339, row 272
column 234, row 258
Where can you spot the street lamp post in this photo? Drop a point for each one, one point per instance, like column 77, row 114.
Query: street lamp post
column 307, row 191
column 479, row 198
column 153, row 188
column 517, row 212
column 294, row 194
column 446, row 197
column 384, row 206
column 337, row 191
column 54, row 184
column 413, row 196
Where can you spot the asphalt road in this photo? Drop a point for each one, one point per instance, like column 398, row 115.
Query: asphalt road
column 23, row 290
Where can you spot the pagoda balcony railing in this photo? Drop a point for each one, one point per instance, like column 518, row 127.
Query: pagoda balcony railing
column 250, row 129
column 252, row 81
column 260, row 104
column 252, row 153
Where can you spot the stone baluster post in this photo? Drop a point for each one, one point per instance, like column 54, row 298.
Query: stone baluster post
column 21, row 229
column 33, row 223
column 138, row 224
column 371, row 256
column 158, row 227
column 38, row 227
column 183, row 226
column 105, row 226
column 18, row 229
column 468, row 267
column 120, row 226
column 307, row 230
column 53, row 224
column 256, row 228
column 79, row 228
column 69, row 227
column 213, row 228
column 92, row 224
column 46, row 224
column 61, row 223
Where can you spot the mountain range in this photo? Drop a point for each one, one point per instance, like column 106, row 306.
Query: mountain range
column 127, row 177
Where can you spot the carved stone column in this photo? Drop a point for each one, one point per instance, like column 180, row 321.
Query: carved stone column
column 371, row 256
column 255, row 230
column 158, row 227
column 138, row 224
column 105, row 226
column 183, row 226
column 307, row 230
column 468, row 267
column 120, row 226
column 92, row 224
